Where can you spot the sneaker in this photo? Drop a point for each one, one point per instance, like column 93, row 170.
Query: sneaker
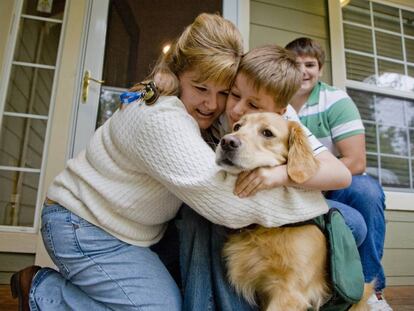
column 377, row 302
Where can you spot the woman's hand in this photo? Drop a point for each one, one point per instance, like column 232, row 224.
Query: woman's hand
column 248, row 183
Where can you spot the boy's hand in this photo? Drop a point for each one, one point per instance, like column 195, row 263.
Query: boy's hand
column 248, row 183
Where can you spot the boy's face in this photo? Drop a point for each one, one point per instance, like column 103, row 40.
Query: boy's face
column 243, row 99
column 310, row 73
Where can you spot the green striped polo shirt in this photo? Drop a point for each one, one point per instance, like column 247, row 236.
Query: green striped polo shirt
column 331, row 115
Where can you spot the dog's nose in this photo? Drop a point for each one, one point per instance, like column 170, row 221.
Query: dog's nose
column 229, row 143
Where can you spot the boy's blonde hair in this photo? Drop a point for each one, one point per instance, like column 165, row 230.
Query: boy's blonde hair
column 211, row 45
column 274, row 69
column 307, row 47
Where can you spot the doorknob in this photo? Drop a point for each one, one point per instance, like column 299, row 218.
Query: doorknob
column 85, row 85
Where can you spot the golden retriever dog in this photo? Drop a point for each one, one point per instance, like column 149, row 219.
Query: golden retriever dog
column 285, row 268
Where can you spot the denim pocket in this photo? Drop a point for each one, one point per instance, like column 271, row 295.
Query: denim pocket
column 47, row 231
column 93, row 240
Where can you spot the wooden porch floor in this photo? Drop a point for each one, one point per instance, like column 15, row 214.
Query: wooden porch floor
column 401, row 298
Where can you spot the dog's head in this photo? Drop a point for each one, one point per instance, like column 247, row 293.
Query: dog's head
column 266, row 139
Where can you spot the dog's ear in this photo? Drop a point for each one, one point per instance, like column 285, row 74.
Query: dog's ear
column 301, row 164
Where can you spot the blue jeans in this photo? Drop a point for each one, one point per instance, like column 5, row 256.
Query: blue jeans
column 98, row 271
column 367, row 197
column 204, row 281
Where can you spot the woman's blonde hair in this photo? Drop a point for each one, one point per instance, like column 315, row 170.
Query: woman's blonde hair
column 274, row 69
column 211, row 45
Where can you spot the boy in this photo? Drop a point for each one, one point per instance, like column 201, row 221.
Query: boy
column 331, row 115
column 267, row 79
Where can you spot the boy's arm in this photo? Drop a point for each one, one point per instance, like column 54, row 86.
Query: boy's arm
column 352, row 150
column 248, row 183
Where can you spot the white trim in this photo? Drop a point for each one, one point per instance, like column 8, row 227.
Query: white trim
column 21, row 229
column 25, row 115
column 19, row 169
column 79, row 76
column 44, row 19
column 17, row 242
column 8, row 56
column 41, row 66
column 337, row 44
column 87, row 111
column 403, row 43
column 399, row 201
column 355, row 24
column 114, row 88
column 40, row 198
column 391, row 60
column 390, row 155
column 361, row 86
column 238, row 11
column 393, row 4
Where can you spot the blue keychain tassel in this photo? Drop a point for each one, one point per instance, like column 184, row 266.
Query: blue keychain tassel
column 129, row 97
column 150, row 94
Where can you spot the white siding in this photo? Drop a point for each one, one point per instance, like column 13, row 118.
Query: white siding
column 281, row 21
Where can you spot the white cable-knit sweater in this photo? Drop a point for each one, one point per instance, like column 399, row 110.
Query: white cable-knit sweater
column 146, row 160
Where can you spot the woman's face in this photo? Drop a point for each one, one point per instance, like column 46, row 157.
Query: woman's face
column 203, row 101
column 310, row 73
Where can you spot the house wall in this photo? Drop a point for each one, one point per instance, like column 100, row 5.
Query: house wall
column 281, row 21
column 399, row 248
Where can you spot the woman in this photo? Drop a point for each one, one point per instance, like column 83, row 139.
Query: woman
column 114, row 200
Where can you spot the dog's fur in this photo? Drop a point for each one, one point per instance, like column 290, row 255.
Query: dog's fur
column 285, row 267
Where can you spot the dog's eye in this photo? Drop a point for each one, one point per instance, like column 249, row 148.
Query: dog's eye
column 236, row 127
column 267, row 133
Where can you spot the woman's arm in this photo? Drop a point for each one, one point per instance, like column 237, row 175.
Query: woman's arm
column 165, row 144
column 331, row 175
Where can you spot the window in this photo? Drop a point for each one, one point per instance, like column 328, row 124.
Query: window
column 25, row 102
column 379, row 59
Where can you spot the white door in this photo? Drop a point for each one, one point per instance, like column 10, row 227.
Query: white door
column 122, row 41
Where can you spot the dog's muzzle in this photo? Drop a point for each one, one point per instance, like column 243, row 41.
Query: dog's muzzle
column 230, row 143
column 227, row 152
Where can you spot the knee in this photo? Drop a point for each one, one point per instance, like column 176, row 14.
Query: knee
column 364, row 188
column 356, row 223
column 359, row 229
column 353, row 219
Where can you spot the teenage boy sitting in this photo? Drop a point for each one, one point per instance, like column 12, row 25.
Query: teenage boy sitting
column 331, row 115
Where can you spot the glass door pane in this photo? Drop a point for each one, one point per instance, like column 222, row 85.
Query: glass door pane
column 25, row 117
